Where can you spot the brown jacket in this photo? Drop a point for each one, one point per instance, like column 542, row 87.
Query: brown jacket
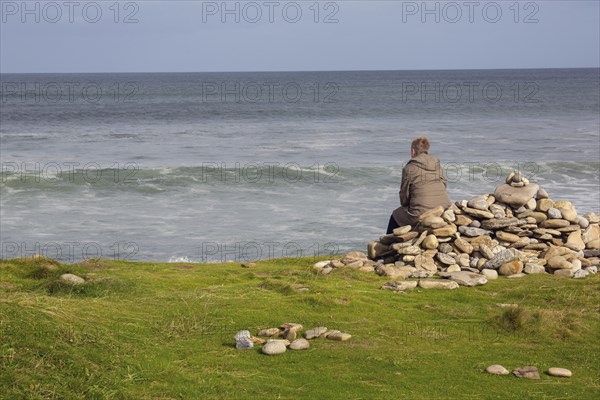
column 423, row 187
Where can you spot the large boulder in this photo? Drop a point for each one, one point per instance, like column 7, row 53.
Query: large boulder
column 515, row 196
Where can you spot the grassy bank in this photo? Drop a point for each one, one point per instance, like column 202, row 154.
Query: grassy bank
column 165, row 331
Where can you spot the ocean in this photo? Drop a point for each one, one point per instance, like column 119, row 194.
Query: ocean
column 188, row 167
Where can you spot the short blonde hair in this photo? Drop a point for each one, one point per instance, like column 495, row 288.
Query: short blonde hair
column 420, row 145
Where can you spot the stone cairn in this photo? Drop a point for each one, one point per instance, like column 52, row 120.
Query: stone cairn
column 516, row 231
column 286, row 337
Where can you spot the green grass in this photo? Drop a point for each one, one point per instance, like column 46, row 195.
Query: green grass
column 165, row 331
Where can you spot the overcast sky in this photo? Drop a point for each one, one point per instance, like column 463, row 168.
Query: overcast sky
column 174, row 36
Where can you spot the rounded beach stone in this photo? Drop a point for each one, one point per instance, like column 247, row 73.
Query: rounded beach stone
column 437, row 284
column 554, row 213
column 430, row 242
column 490, row 274
column 559, row 372
column 402, row 230
column 496, row 369
column 274, row 347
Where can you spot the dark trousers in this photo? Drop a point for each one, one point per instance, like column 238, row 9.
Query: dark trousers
column 392, row 225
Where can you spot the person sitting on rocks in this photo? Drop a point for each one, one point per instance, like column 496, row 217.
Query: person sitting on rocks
column 423, row 186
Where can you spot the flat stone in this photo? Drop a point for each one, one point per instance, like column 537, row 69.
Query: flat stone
column 499, row 223
column 243, row 340
column 466, row 278
column 71, row 279
column 473, row 232
column 274, row 347
column 554, row 213
column 515, row 197
column 339, row 336
column 437, row 284
column 409, row 250
column 478, row 213
column 299, row 344
column 507, row 237
column 447, row 230
column 559, row 372
column 433, row 222
column 269, row 332
column 420, row 239
column 496, row 369
column 527, row 372
column 554, row 223
column 402, row 230
column 516, row 276
column 399, row 286
column 391, row 271
column 315, row 332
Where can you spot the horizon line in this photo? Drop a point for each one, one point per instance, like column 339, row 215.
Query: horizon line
column 311, row 70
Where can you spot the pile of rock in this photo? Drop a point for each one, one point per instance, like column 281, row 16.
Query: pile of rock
column 518, row 230
column 530, row 371
column 286, row 337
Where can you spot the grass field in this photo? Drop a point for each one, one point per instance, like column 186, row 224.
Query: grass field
column 165, row 331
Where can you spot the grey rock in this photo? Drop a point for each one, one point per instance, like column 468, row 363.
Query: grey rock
column 399, row 286
column 71, row 279
column 554, row 213
column 445, row 248
column 243, row 340
column 580, row 273
column 592, row 269
column 445, row 259
column 527, row 372
column 315, row 332
column 502, row 257
column 473, row 232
